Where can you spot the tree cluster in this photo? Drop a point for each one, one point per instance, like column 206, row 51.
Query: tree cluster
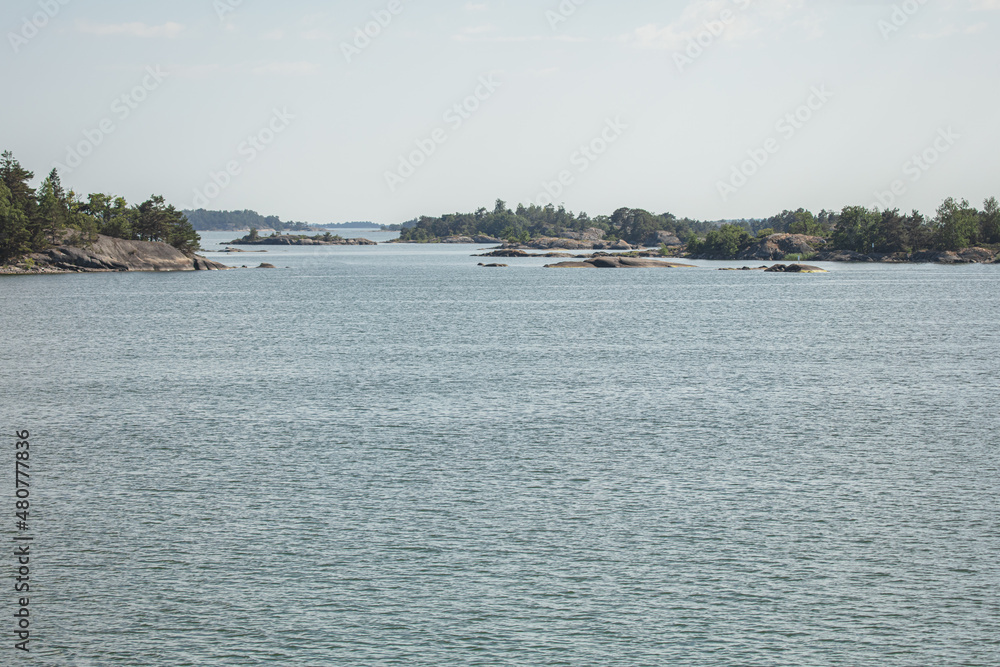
column 32, row 220
column 227, row 221
column 956, row 225
column 528, row 222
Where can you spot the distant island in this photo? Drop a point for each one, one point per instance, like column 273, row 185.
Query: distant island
column 54, row 230
column 232, row 221
column 254, row 238
column 958, row 233
column 409, row 224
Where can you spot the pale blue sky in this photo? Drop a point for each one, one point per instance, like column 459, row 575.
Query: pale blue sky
column 674, row 122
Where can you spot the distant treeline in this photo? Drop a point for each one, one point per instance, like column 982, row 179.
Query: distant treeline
column 228, row 221
column 525, row 223
column 956, row 225
column 31, row 221
column 409, row 224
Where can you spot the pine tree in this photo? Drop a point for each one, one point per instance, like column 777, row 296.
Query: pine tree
column 53, row 212
column 990, row 221
column 14, row 235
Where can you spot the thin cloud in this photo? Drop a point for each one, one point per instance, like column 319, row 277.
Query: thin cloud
column 739, row 21
column 476, row 29
column 168, row 30
column 953, row 30
column 301, row 68
column 499, row 39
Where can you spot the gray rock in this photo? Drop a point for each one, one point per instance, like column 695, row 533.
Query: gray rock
column 113, row 254
column 662, row 238
column 589, row 234
column 616, row 262
column 777, row 246
column 795, row 268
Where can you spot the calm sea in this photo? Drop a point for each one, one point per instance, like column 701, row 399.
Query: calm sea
column 390, row 456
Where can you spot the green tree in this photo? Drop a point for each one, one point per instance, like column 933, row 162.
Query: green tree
column 53, row 209
column 14, row 235
column 725, row 242
column 17, row 178
column 990, row 221
column 803, row 222
column 856, row 229
column 957, row 225
column 156, row 221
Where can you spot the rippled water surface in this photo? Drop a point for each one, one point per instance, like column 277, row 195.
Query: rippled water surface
column 389, row 456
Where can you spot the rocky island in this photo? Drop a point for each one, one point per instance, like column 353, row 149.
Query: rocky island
column 619, row 262
column 110, row 254
column 958, row 233
column 289, row 239
column 52, row 229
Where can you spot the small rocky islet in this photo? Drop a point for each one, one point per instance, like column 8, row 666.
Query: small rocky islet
column 298, row 239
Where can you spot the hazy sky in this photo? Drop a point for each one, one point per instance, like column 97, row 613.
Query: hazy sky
column 706, row 108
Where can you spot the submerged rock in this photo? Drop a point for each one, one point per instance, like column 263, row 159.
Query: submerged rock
column 616, row 262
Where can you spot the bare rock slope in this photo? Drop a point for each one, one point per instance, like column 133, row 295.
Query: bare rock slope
column 112, row 254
